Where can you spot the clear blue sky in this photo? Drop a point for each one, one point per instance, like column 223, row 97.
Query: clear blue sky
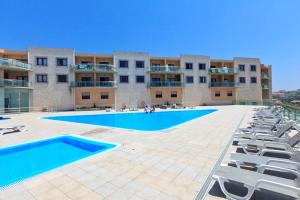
column 267, row 29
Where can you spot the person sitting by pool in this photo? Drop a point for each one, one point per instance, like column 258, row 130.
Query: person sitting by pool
column 152, row 109
column 146, row 109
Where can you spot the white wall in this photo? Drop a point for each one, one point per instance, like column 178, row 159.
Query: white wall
column 248, row 91
column 52, row 94
column 132, row 94
column 196, row 93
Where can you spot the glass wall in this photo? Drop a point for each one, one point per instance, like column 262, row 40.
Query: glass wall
column 17, row 100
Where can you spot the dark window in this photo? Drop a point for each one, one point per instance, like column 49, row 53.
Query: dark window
column 139, row 64
column 171, row 65
column 173, row 94
column 124, row 79
column 62, row 78
column 188, row 65
column 253, row 80
column 241, row 67
column 85, row 95
column 41, row 61
column 155, row 79
column 61, row 62
column 253, row 68
column 103, row 78
column 202, row 66
column 229, row 93
column 217, row 94
column 158, row 94
column 140, row 79
column 242, row 80
column 202, row 79
column 189, row 79
column 123, row 63
column 104, row 95
column 41, row 78
column 156, row 64
column 103, row 63
column 86, row 79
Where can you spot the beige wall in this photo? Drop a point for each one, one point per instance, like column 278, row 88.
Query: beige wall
column 94, row 97
column 223, row 91
column 166, row 96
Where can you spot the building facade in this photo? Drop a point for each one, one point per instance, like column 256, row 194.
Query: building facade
column 61, row 79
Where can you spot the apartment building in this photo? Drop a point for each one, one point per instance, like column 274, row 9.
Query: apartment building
column 62, row 79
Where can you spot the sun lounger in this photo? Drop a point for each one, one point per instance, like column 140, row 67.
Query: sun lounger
column 254, row 181
column 13, row 129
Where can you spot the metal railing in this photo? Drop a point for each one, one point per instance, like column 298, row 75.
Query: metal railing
column 291, row 112
column 14, row 63
column 222, row 70
column 14, row 83
column 223, row 84
column 165, row 84
column 171, row 69
column 93, row 84
column 93, row 67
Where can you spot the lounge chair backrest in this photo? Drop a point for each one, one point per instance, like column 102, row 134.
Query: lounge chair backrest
column 294, row 140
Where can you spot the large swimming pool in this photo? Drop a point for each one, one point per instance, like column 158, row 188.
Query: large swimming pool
column 137, row 121
column 26, row 160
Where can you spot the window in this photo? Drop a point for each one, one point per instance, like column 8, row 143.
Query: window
column 253, row 68
column 202, row 66
column 140, row 79
column 242, row 80
column 156, row 64
column 202, row 79
column 103, row 63
column 171, row 65
column 241, row 68
column 103, row 78
column 189, row 79
column 86, row 79
column 158, row 94
column 41, row 61
column 173, row 94
column 217, row 94
column 229, row 93
column 61, row 62
column 85, row 95
column 42, row 78
column 139, row 64
column 155, row 79
column 123, row 63
column 104, row 95
column 62, row 78
column 253, row 80
column 188, row 65
column 124, row 79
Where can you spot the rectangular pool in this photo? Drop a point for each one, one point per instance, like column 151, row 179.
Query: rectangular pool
column 137, row 121
column 26, row 160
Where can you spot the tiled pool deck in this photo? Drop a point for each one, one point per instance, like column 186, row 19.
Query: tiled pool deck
column 173, row 164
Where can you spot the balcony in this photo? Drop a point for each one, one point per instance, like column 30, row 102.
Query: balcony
column 223, row 84
column 165, row 84
column 106, row 84
column 264, row 76
column 222, row 70
column 14, row 64
column 265, row 86
column 14, row 83
column 93, row 67
column 165, row 69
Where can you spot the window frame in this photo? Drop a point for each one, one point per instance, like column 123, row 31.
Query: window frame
column 104, row 94
column 139, row 61
column 218, row 92
column 189, row 63
column 126, row 67
column 123, row 81
column 139, row 76
column 204, row 78
column 244, row 78
column 158, row 96
column 241, row 65
column 253, row 78
column 43, row 76
column 172, row 94
column 229, row 92
column 202, row 64
column 253, row 69
column 42, row 64
column 62, row 58
column 82, row 95
column 66, row 75
column 186, row 79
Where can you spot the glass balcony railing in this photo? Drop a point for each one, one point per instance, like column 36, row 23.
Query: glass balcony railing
column 94, row 84
column 93, row 67
column 223, row 84
column 222, row 70
column 14, row 63
column 170, row 69
column 264, row 76
column 165, row 84
column 265, row 86
column 14, row 83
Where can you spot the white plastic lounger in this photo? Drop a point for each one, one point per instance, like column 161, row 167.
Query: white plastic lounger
column 13, row 129
column 255, row 181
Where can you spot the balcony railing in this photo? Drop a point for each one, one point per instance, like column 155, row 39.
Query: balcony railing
column 94, row 84
column 14, row 64
column 165, row 69
column 93, row 67
column 14, row 83
column 265, row 86
column 222, row 70
column 223, row 84
column 264, row 76
column 165, row 84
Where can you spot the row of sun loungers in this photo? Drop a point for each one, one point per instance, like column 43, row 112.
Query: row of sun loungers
column 267, row 159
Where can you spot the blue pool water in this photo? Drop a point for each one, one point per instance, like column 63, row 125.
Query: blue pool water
column 26, row 160
column 137, row 121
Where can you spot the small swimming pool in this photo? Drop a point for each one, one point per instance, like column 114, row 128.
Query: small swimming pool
column 26, row 160
column 137, row 121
